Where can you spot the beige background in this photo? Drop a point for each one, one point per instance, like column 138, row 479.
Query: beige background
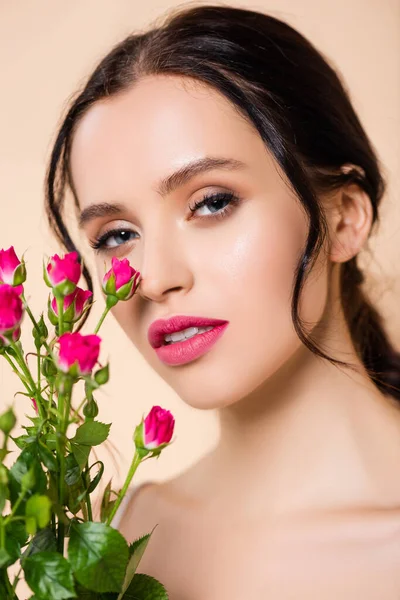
column 48, row 47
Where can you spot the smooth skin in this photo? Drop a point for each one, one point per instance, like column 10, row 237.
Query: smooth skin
column 300, row 498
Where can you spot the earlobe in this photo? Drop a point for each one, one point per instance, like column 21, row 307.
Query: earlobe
column 351, row 223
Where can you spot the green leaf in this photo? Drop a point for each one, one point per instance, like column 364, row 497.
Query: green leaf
column 96, row 479
column 144, row 587
column 24, row 462
column 81, row 454
column 3, row 587
column 43, row 540
column 23, row 440
column 98, row 554
column 15, row 538
column 49, row 575
column 5, row 558
column 91, row 433
column 136, row 551
column 73, row 471
column 38, row 513
column 47, row 457
column 85, row 594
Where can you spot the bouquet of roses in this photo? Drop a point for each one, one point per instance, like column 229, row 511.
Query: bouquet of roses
column 46, row 516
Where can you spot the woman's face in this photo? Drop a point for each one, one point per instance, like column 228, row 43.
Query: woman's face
column 229, row 260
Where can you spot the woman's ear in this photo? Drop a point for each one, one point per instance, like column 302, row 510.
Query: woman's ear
column 350, row 221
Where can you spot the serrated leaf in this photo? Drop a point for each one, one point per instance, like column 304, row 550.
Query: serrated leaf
column 145, row 587
column 98, row 554
column 91, row 433
column 81, row 454
column 136, row 551
column 49, row 575
column 23, row 440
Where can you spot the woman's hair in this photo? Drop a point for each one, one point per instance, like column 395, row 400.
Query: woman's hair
column 300, row 107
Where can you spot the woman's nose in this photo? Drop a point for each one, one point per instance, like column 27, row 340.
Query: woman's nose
column 164, row 269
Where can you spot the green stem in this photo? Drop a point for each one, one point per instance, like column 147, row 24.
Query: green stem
column 2, row 533
column 132, row 469
column 64, row 403
column 15, row 508
column 10, row 589
column 20, row 375
column 60, row 310
column 103, row 316
column 88, row 499
column 21, row 362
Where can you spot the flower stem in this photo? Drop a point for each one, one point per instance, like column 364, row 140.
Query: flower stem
column 60, row 309
column 132, row 469
column 64, row 403
column 35, row 390
column 20, row 375
column 103, row 316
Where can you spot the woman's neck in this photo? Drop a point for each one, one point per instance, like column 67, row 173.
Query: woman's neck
column 312, row 436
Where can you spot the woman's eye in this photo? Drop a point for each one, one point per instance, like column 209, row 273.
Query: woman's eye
column 218, row 204
column 103, row 240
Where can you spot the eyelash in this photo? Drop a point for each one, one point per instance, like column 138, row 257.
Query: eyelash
column 98, row 244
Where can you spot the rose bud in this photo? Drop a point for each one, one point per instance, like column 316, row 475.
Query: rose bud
column 12, row 270
column 35, row 406
column 155, row 431
column 74, row 305
column 11, row 314
column 78, row 353
column 7, row 338
column 121, row 281
column 63, row 274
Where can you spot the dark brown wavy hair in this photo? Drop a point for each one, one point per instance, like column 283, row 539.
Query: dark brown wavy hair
column 301, row 109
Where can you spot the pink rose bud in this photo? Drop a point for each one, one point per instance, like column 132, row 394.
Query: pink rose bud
column 11, row 312
column 121, row 281
column 74, row 305
column 156, row 430
column 35, row 406
column 78, row 353
column 12, row 270
column 7, row 338
column 63, row 274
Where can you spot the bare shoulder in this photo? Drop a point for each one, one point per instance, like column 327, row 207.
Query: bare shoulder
column 141, row 512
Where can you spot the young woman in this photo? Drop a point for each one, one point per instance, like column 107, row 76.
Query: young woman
column 220, row 153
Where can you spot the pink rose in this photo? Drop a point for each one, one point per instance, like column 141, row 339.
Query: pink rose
column 11, row 309
column 78, row 353
column 121, row 280
column 156, row 430
column 12, row 270
column 63, row 274
column 74, row 305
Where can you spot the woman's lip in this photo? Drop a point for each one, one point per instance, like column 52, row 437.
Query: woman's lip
column 162, row 327
column 180, row 353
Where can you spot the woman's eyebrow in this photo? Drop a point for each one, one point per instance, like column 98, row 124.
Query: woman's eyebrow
column 166, row 186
